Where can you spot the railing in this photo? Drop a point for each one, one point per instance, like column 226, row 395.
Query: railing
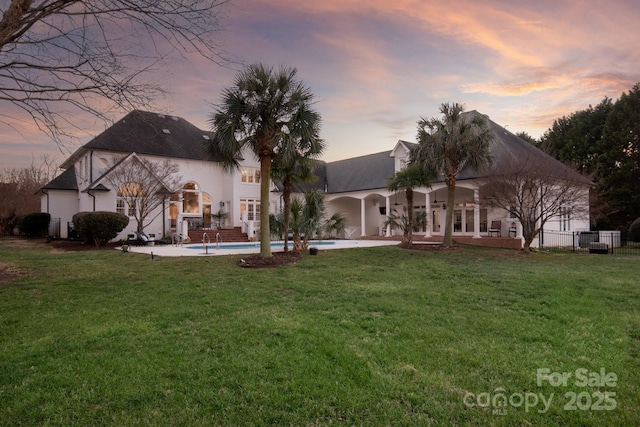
column 600, row 242
column 205, row 240
column 218, row 240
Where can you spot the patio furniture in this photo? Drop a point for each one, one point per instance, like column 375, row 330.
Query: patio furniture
column 496, row 227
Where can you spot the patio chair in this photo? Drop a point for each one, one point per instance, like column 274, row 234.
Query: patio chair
column 496, row 227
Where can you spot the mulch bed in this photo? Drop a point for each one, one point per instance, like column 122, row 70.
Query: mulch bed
column 77, row 245
column 276, row 260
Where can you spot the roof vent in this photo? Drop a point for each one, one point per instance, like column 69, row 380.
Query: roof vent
column 167, row 131
column 174, row 118
column 206, row 137
column 161, row 116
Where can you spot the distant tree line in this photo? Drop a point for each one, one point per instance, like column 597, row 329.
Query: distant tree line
column 18, row 192
column 603, row 142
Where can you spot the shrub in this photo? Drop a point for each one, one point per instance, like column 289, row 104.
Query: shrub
column 35, row 224
column 99, row 227
column 634, row 230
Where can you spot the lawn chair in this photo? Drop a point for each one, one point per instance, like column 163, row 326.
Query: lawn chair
column 496, row 227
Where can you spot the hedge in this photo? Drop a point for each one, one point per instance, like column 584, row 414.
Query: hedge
column 99, row 227
column 34, row 224
column 634, row 230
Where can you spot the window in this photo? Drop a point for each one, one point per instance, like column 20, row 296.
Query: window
column 206, row 210
column 128, row 196
column 565, row 219
column 250, row 175
column 120, row 206
column 191, row 198
column 252, row 207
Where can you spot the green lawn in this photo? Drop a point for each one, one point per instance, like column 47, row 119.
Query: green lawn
column 379, row 336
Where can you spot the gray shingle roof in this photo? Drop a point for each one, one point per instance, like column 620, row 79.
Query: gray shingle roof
column 152, row 134
column 65, row 181
column 508, row 146
column 373, row 171
column 360, row 173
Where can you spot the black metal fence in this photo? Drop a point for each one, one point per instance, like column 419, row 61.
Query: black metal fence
column 54, row 228
column 594, row 242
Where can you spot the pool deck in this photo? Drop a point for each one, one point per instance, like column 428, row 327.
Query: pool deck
column 194, row 249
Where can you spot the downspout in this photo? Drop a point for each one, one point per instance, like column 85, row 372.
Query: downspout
column 164, row 217
column 90, row 192
column 47, row 194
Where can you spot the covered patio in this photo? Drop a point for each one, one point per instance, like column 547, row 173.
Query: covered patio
column 367, row 213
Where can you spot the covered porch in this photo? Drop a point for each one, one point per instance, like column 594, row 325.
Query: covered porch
column 367, row 213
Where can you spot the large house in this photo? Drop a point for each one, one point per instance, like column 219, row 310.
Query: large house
column 355, row 186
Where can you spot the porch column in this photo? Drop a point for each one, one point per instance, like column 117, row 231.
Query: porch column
column 362, row 218
column 427, row 204
column 476, row 214
column 387, row 231
column 519, row 230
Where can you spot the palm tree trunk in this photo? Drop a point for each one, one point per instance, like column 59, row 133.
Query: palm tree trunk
column 286, row 200
column 265, row 177
column 409, row 194
column 448, row 231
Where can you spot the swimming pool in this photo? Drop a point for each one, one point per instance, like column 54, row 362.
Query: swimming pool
column 253, row 245
column 246, row 248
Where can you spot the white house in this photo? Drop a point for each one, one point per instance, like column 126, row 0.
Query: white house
column 355, row 186
column 83, row 186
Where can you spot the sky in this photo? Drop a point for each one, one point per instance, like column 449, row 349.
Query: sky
column 377, row 66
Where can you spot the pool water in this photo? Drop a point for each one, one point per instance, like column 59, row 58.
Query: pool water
column 252, row 245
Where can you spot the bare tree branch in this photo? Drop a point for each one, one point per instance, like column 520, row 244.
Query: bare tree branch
column 143, row 185
column 58, row 57
column 534, row 191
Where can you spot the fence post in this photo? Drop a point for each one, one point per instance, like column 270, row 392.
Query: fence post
column 573, row 241
column 611, row 242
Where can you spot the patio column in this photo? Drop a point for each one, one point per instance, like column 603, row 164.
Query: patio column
column 387, row 231
column 427, row 204
column 519, row 230
column 476, row 214
column 362, row 218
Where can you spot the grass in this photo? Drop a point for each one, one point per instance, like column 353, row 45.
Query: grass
column 378, row 336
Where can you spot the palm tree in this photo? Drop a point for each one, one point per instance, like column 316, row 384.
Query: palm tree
column 336, row 224
column 447, row 145
column 413, row 176
column 306, row 218
column 269, row 112
column 291, row 170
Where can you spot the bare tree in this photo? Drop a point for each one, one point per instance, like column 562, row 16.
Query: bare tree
column 534, row 191
column 91, row 55
column 143, row 186
column 18, row 188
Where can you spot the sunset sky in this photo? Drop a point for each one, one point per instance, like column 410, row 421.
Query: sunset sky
column 377, row 66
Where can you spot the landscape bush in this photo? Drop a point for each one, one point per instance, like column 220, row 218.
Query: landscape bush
column 35, row 224
column 634, row 230
column 99, row 227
